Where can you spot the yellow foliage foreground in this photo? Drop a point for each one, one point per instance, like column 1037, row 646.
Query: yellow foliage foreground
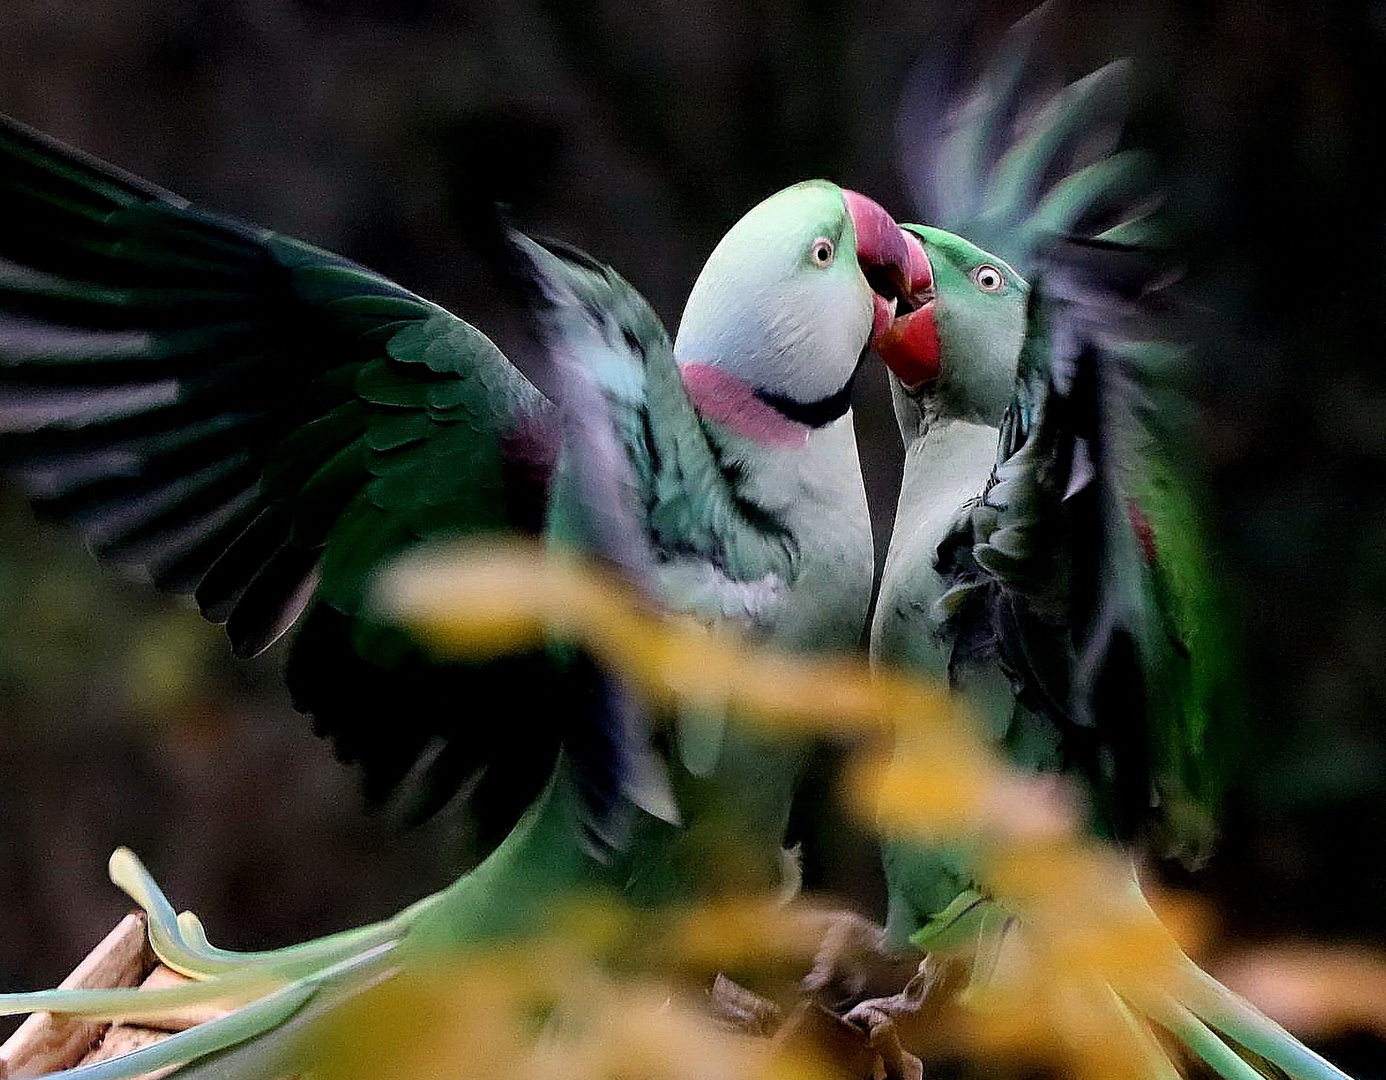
column 559, row 1005
column 1077, row 965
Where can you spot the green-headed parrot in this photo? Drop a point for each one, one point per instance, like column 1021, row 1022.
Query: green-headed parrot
column 264, row 425
column 1047, row 559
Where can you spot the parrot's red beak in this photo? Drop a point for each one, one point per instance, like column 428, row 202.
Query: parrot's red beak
column 909, row 345
column 902, row 280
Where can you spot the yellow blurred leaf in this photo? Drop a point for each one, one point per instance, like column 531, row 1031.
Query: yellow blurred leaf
column 1071, row 930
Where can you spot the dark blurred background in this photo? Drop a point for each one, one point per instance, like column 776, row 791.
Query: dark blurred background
column 640, row 129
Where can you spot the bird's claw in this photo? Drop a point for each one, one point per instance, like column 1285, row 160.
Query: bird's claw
column 897, row 1063
column 884, row 1019
column 743, row 1010
column 876, row 1019
column 865, row 1037
column 851, row 960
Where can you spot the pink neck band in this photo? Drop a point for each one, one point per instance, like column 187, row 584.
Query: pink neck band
column 732, row 402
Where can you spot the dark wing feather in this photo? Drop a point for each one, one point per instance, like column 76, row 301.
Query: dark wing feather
column 262, row 424
column 1051, row 570
column 266, row 424
column 1081, row 570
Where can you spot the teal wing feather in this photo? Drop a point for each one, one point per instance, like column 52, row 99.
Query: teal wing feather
column 1081, row 572
column 1021, row 169
column 674, row 496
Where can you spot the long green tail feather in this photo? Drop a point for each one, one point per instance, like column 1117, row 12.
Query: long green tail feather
column 1201, row 1040
column 1228, row 1013
column 248, row 1022
column 1156, row 1058
column 165, row 937
column 266, row 989
column 244, row 1023
column 180, row 941
column 276, row 1052
column 131, row 1002
column 224, row 976
column 322, row 950
column 1212, row 1023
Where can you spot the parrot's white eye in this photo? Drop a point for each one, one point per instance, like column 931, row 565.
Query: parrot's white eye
column 822, row 251
column 989, row 278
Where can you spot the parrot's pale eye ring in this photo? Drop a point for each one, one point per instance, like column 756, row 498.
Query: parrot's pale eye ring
column 821, row 251
column 988, row 278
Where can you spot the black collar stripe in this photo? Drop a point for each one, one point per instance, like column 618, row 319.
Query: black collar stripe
column 814, row 414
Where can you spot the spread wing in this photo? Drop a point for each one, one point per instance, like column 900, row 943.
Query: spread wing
column 1081, row 569
column 1012, row 161
column 228, row 408
column 263, row 424
column 252, row 420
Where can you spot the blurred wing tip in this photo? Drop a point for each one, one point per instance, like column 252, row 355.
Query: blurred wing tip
column 1118, row 269
column 1033, row 22
column 12, row 129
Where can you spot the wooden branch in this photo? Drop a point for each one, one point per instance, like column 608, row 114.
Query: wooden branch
column 45, row 1042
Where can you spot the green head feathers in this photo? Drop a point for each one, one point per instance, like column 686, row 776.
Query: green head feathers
column 978, row 316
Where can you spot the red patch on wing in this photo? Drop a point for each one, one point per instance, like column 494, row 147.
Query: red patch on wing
column 529, row 455
column 1145, row 533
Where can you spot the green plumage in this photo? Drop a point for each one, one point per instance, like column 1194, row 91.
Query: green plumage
column 1080, row 572
column 1047, row 558
column 267, row 426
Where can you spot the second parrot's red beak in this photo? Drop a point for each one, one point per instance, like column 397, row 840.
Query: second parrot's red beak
column 903, row 331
